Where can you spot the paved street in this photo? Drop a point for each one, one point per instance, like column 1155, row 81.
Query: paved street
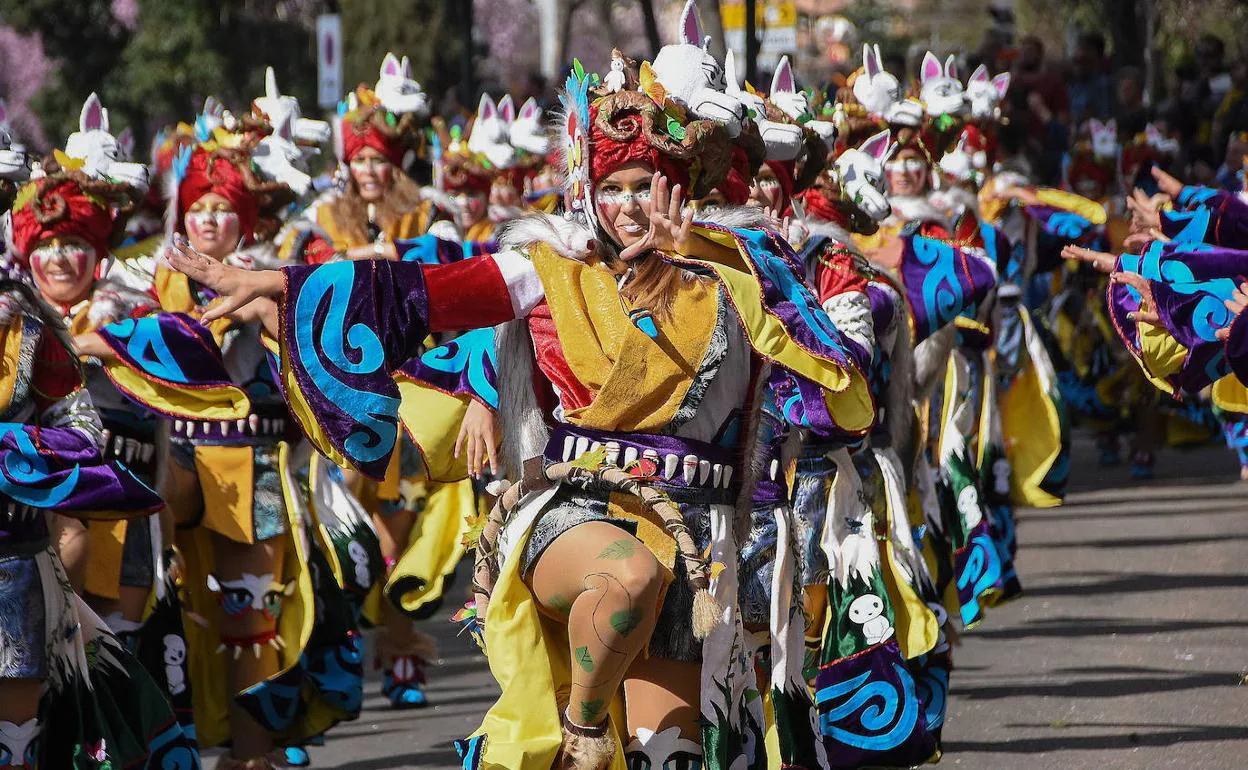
column 1126, row 651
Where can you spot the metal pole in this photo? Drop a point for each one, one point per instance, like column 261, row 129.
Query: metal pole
column 751, row 40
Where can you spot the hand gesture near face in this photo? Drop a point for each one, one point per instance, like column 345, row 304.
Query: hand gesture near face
column 670, row 228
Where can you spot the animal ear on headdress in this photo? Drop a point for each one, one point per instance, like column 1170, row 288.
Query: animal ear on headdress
column 125, row 144
column 782, row 82
column 284, row 129
column 92, row 117
column 877, row 146
column 271, row 91
column 390, row 66
column 4, row 114
column 730, row 73
column 486, row 109
column 930, row 69
column 690, row 27
column 1002, row 84
column 1112, row 126
column 870, row 62
column 406, row 68
column 529, row 110
column 951, row 67
column 980, row 75
column 507, row 109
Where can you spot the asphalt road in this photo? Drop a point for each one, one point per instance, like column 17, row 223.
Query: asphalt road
column 1127, row 650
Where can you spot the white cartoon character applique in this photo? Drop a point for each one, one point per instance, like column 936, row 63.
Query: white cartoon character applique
column 175, row 660
column 868, row 611
column 968, row 506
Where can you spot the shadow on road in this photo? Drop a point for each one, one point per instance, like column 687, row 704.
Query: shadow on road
column 1089, row 683
column 1137, row 735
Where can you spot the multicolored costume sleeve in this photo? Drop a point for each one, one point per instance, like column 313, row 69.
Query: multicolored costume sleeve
column 170, row 363
column 61, row 470
column 1063, row 218
column 1204, row 214
column 347, row 327
column 436, row 389
column 1190, row 282
column 941, row 280
column 786, row 325
column 429, row 249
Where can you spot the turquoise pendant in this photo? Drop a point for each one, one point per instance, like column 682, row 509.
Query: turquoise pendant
column 644, row 320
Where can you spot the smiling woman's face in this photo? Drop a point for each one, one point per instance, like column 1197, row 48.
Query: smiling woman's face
column 64, row 269
column 623, row 201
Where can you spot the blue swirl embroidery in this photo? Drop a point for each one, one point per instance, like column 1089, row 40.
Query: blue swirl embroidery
column 791, row 288
column 1210, row 313
column 145, row 343
column 933, row 692
column 898, row 708
column 375, row 412
column 942, row 294
column 1193, row 195
column 469, row 354
column 24, row 467
column 981, row 572
column 1195, row 224
column 1067, row 224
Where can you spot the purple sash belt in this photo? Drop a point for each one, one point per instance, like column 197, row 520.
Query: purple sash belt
column 688, row 471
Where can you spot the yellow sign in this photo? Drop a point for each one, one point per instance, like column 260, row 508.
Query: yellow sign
column 768, row 13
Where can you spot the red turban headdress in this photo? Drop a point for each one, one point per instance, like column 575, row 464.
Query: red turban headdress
column 607, row 154
column 358, row 135
column 210, row 172
column 57, row 205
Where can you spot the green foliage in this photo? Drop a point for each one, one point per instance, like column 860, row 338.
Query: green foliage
column 160, row 72
column 429, row 32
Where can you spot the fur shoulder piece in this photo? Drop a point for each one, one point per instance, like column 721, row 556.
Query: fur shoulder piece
column 739, row 217
column 442, row 200
column 567, row 237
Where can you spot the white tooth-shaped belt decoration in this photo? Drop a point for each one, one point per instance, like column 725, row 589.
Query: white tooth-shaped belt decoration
column 694, row 470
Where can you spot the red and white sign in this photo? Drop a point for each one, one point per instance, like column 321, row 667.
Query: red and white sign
column 328, row 60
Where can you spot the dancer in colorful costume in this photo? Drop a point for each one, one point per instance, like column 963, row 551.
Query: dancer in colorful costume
column 71, row 696
column 269, row 666
column 613, row 272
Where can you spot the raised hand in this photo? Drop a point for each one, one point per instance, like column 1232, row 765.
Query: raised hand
column 1145, row 211
column 670, row 230
column 1147, row 312
column 1166, row 183
column 234, row 286
column 1236, row 304
column 1099, row 260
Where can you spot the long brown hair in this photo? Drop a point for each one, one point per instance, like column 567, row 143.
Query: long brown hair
column 349, row 212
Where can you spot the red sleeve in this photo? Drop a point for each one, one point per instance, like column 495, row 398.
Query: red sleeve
column 835, row 274
column 56, row 374
column 471, row 294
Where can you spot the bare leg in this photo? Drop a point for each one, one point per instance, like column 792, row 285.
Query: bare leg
column 605, row 583
column 72, row 545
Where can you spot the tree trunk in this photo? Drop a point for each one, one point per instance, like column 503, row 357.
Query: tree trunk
column 552, row 19
column 652, row 26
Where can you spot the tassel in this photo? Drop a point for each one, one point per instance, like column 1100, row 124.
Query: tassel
column 706, row 614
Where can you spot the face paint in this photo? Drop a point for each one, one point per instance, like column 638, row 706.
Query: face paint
column 198, row 221
column 64, row 272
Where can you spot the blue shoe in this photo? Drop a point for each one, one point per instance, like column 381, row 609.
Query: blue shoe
column 404, row 685
column 1142, row 466
column 297, row 756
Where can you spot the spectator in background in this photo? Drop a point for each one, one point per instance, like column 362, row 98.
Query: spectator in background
column 1038, row 97
column 1091, row 90
column 1186, row 108
column 1130, row 111
column 1232, row 113
column 1211, row 64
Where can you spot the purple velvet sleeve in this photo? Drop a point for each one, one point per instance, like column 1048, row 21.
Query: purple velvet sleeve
column 346, row 326
column 61, row 470
column 1237, row 347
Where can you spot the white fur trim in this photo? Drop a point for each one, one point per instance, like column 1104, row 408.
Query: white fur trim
column 523, row 284
column 568, row 238
column 851, row 312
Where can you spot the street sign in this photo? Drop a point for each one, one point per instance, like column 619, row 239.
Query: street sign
column 776, row 22
column 328, row 60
